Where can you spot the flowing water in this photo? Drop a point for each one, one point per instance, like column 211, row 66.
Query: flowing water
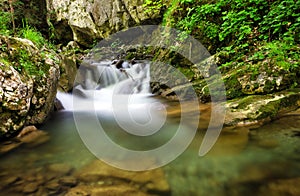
column 261, row 161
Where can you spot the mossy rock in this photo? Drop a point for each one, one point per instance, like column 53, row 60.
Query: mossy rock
column 254, row 109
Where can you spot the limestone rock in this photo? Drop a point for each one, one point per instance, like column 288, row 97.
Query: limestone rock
column 15, row 96
column 68, row 73
column 260, row 108
column 83, row 21
column 28, row 90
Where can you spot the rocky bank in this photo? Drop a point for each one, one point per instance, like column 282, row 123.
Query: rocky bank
column 28, row 84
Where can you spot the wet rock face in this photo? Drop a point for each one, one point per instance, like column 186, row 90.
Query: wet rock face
column 83, row 21
column 25, row 98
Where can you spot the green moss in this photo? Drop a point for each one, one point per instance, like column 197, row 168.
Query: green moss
column 246, row 101
column 269, row 110
column 233, row 87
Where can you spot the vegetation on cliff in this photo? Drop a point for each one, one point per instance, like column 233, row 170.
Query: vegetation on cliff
column 29, row 70
column 256, row 43
column 245, row 31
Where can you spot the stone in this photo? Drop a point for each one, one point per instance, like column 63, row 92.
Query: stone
column 25, row 99
column 60, row 168
column 7, row 147
column 258, row 109
column 27, row 130
column 149, row 181
column 98, row 190
column 30, row 188
column 53, row 185
column 281, row 187
column 34, row 138
column 84, row 21
column 9, row 180
column 69, row 70
column 68, row 181
column 58, row 105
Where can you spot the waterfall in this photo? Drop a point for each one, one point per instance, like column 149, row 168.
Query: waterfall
column 101, row 82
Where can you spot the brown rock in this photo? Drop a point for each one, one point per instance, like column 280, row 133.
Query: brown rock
column 30, row 188
column 96, row 190
column 79, row 191
column 68, row 181
column 41, row 192
column 150, row 181
column 281, row 187
column 60, row 168
column 53, row 185
column 9, row 180
column 9, row 146
column 34, row 138
column 58, row 105
column 26, row 130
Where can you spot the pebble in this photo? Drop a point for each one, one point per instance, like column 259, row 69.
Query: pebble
column 68, row 181
column 60, row 168
column 10, row 180
column 53, row 185
column 30, row 188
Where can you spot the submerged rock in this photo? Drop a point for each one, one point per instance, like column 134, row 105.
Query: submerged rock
column 281, row 187
column 85, row 190
column 30, row 188
column 112, row 179
column 60, row 169
column 29, row 136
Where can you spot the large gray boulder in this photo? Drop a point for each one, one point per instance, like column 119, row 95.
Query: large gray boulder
column 84, row 21
column 28, row 84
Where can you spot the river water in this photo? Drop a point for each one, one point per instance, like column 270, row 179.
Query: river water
column 260, row 161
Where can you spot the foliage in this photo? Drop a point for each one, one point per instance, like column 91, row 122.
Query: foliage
column 156, row 6
column 4, row 23
column 32, row 34
column 240, row 29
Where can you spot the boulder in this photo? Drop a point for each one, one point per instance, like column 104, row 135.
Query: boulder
column 28, row 84
column 257, row 109
column 84, row 21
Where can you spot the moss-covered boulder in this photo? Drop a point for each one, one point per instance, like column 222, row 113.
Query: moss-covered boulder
column 28, row 84
column 254, row 109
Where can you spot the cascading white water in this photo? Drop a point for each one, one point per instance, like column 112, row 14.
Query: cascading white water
column 120, row 93
column 103, row 81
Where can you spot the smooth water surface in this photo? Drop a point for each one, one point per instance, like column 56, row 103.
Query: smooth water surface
column 241, row 163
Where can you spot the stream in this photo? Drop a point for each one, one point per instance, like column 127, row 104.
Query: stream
column 260, row 161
